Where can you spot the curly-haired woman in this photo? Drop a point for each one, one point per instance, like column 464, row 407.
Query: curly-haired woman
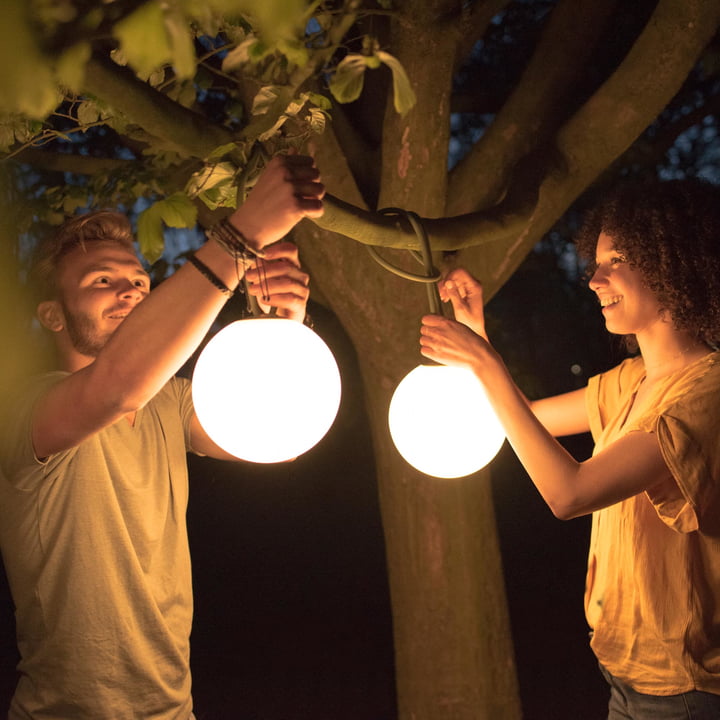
column 653, row 482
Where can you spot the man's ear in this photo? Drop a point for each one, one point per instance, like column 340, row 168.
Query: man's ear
column 50, row 315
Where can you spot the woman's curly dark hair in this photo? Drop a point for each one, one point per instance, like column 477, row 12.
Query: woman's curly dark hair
column 670, row 232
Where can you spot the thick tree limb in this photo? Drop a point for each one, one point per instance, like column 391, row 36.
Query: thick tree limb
column 449, row 233
column 609, row 122
column 66, row 162
column 650, row 154
column 187, row 132
column 535, row 107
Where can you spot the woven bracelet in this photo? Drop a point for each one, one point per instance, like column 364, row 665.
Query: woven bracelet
column 210, row 275
column 233, row 242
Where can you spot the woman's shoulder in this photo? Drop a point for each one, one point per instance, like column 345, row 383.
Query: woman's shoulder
column 701, row 380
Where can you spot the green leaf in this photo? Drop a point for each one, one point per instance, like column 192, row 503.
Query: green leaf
column 184, row 93
column 347, row 82
column 294, row 50
column 267, row 134
column 319, row 101
column 264, row 99
column 27, row 83
column 7, row 137
column 144, row 39
column 318, row 120
column 258, row 50
column 178, row 211
column 175, row 211
column 72, row 202
column 239, row 55
column 295, row 106
column 210, row 176
column 87, row 113
column 150, row 233
column 404, row 97
column 70, row 66
column 221, row 196
column 218, row 152
column 181, row 42
column 214, row 185
column 16, row 129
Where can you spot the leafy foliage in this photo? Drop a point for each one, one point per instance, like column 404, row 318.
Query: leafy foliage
column 258, row 77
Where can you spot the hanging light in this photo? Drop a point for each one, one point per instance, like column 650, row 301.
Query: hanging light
column 440, row 418
column 442, row 423
column 266, row 389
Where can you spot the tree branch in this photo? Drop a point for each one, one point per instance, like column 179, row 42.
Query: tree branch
column 535, row 107
column 187, row 132
column 612, row 119
column 66, row 162
column 446, row 234
column 650, row 153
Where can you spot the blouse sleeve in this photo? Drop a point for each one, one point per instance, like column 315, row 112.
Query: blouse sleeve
column 689, row 433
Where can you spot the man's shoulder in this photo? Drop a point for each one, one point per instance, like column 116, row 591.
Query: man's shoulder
column 26, row 392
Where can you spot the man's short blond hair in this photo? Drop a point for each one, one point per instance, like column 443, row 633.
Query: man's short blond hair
column 107, row 226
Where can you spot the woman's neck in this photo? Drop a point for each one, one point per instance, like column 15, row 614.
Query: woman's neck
column 665, row 355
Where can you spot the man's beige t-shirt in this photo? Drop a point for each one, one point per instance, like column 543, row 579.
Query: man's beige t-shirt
column 95, row 546
column 653, row 584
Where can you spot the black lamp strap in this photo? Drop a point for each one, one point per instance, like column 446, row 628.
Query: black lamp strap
column 424, row 257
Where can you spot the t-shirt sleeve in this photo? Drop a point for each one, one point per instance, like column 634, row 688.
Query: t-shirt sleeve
column 183, row 390
column 17, row 455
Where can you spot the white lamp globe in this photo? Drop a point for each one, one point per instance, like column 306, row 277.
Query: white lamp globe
column 266, row 389
column 442, row 423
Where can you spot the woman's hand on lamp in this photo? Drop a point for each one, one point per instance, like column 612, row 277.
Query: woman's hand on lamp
column 465, row 294
column 452, row 343
column 461, row 342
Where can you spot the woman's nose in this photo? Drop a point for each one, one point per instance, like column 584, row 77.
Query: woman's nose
column 597, row 279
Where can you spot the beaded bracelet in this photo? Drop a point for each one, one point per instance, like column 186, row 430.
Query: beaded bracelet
column 210, row 275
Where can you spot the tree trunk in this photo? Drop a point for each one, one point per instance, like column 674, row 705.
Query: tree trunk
column 453, row 647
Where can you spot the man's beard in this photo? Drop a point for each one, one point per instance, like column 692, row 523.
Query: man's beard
column 83, row 333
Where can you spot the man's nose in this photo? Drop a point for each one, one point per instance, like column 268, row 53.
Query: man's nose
column 129, row 289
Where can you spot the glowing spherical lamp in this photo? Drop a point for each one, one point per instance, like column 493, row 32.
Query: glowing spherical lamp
column 266, row 389
column 442, row 423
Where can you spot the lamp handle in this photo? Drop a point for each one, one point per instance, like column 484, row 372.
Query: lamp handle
column 432, row 274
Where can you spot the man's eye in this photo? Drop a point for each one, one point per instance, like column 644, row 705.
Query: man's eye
column 102, row 281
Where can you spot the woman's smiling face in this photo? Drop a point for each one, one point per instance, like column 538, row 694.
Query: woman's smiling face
column 628, row 305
